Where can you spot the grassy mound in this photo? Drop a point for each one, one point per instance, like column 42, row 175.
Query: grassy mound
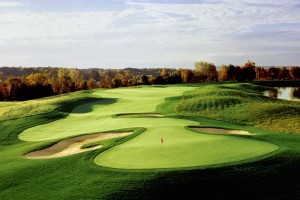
column 242, row 103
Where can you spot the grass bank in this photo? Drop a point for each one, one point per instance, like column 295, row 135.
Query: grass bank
column 242, row 103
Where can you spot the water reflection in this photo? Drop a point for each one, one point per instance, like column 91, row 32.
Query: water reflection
column 287, row 93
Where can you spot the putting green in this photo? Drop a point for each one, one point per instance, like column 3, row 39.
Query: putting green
column 181, row 147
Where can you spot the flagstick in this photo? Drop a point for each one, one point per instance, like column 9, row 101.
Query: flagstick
column 161, row 148
column 161, row 143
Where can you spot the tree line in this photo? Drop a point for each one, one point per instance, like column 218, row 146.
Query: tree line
column 17, row 84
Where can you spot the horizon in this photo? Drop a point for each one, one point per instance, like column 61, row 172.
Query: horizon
column 120, row 34
column 141, row 68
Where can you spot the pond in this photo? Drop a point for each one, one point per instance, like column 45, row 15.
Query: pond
column 287, row 93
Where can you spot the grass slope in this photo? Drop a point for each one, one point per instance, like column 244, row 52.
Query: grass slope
column 242, row 103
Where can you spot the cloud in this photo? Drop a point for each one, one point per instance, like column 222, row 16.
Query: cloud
column 26, row 25
column 162, row 31
column 10, row 4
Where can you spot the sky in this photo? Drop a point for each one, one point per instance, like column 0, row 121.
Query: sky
column 148, row 33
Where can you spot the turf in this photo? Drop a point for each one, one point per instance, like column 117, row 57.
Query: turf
column 273, row 176
column 182, row 148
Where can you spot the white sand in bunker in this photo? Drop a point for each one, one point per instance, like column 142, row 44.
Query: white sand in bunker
column 221, row 131
column 141, row 115
column 72, row 146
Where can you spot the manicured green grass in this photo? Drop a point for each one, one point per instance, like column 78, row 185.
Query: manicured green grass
column 181, row 148
column 270, row 176
column 146, row 151
column 99, row 115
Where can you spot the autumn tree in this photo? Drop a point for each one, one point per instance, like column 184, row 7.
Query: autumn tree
column 3, row 91
column 76, row 77
column 164, row 72
column 83, row 85
column 273, row 72
column 223, row 73
column 248, row 71
column 284, row 73
column 206, row 70
column 104, row 82
column 260, row 73
column 16, row 89
column 91, row 83
column 39, row 85
column 1, row 77
column 231, row 72
column 63, row 82
column 158, row 80
column 174, row 78
column 239, row 76
column 186, row 75
column 144, row 80
column 295, row 72
column 95, row 75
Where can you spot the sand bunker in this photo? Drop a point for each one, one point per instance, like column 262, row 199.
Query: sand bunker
column 221, row 131
column 72, row 145
column 141, row 115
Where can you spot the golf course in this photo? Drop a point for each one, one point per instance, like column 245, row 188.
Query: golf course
column 225, row 140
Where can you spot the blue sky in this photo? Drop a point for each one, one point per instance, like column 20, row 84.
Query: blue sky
column 148, row 33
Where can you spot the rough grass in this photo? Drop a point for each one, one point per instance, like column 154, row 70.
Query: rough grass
column 242, row 103
column 19, row 109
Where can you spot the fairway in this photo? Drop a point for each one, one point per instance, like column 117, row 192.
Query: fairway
column 181, row 147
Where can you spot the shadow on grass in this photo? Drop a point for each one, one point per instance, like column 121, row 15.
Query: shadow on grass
column 86, row 108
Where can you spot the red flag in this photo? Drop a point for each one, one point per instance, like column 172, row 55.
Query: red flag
column 161, row 140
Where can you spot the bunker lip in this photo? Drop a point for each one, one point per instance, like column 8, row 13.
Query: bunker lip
column 213, row 130
column 73, row 145
column 140, row 115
